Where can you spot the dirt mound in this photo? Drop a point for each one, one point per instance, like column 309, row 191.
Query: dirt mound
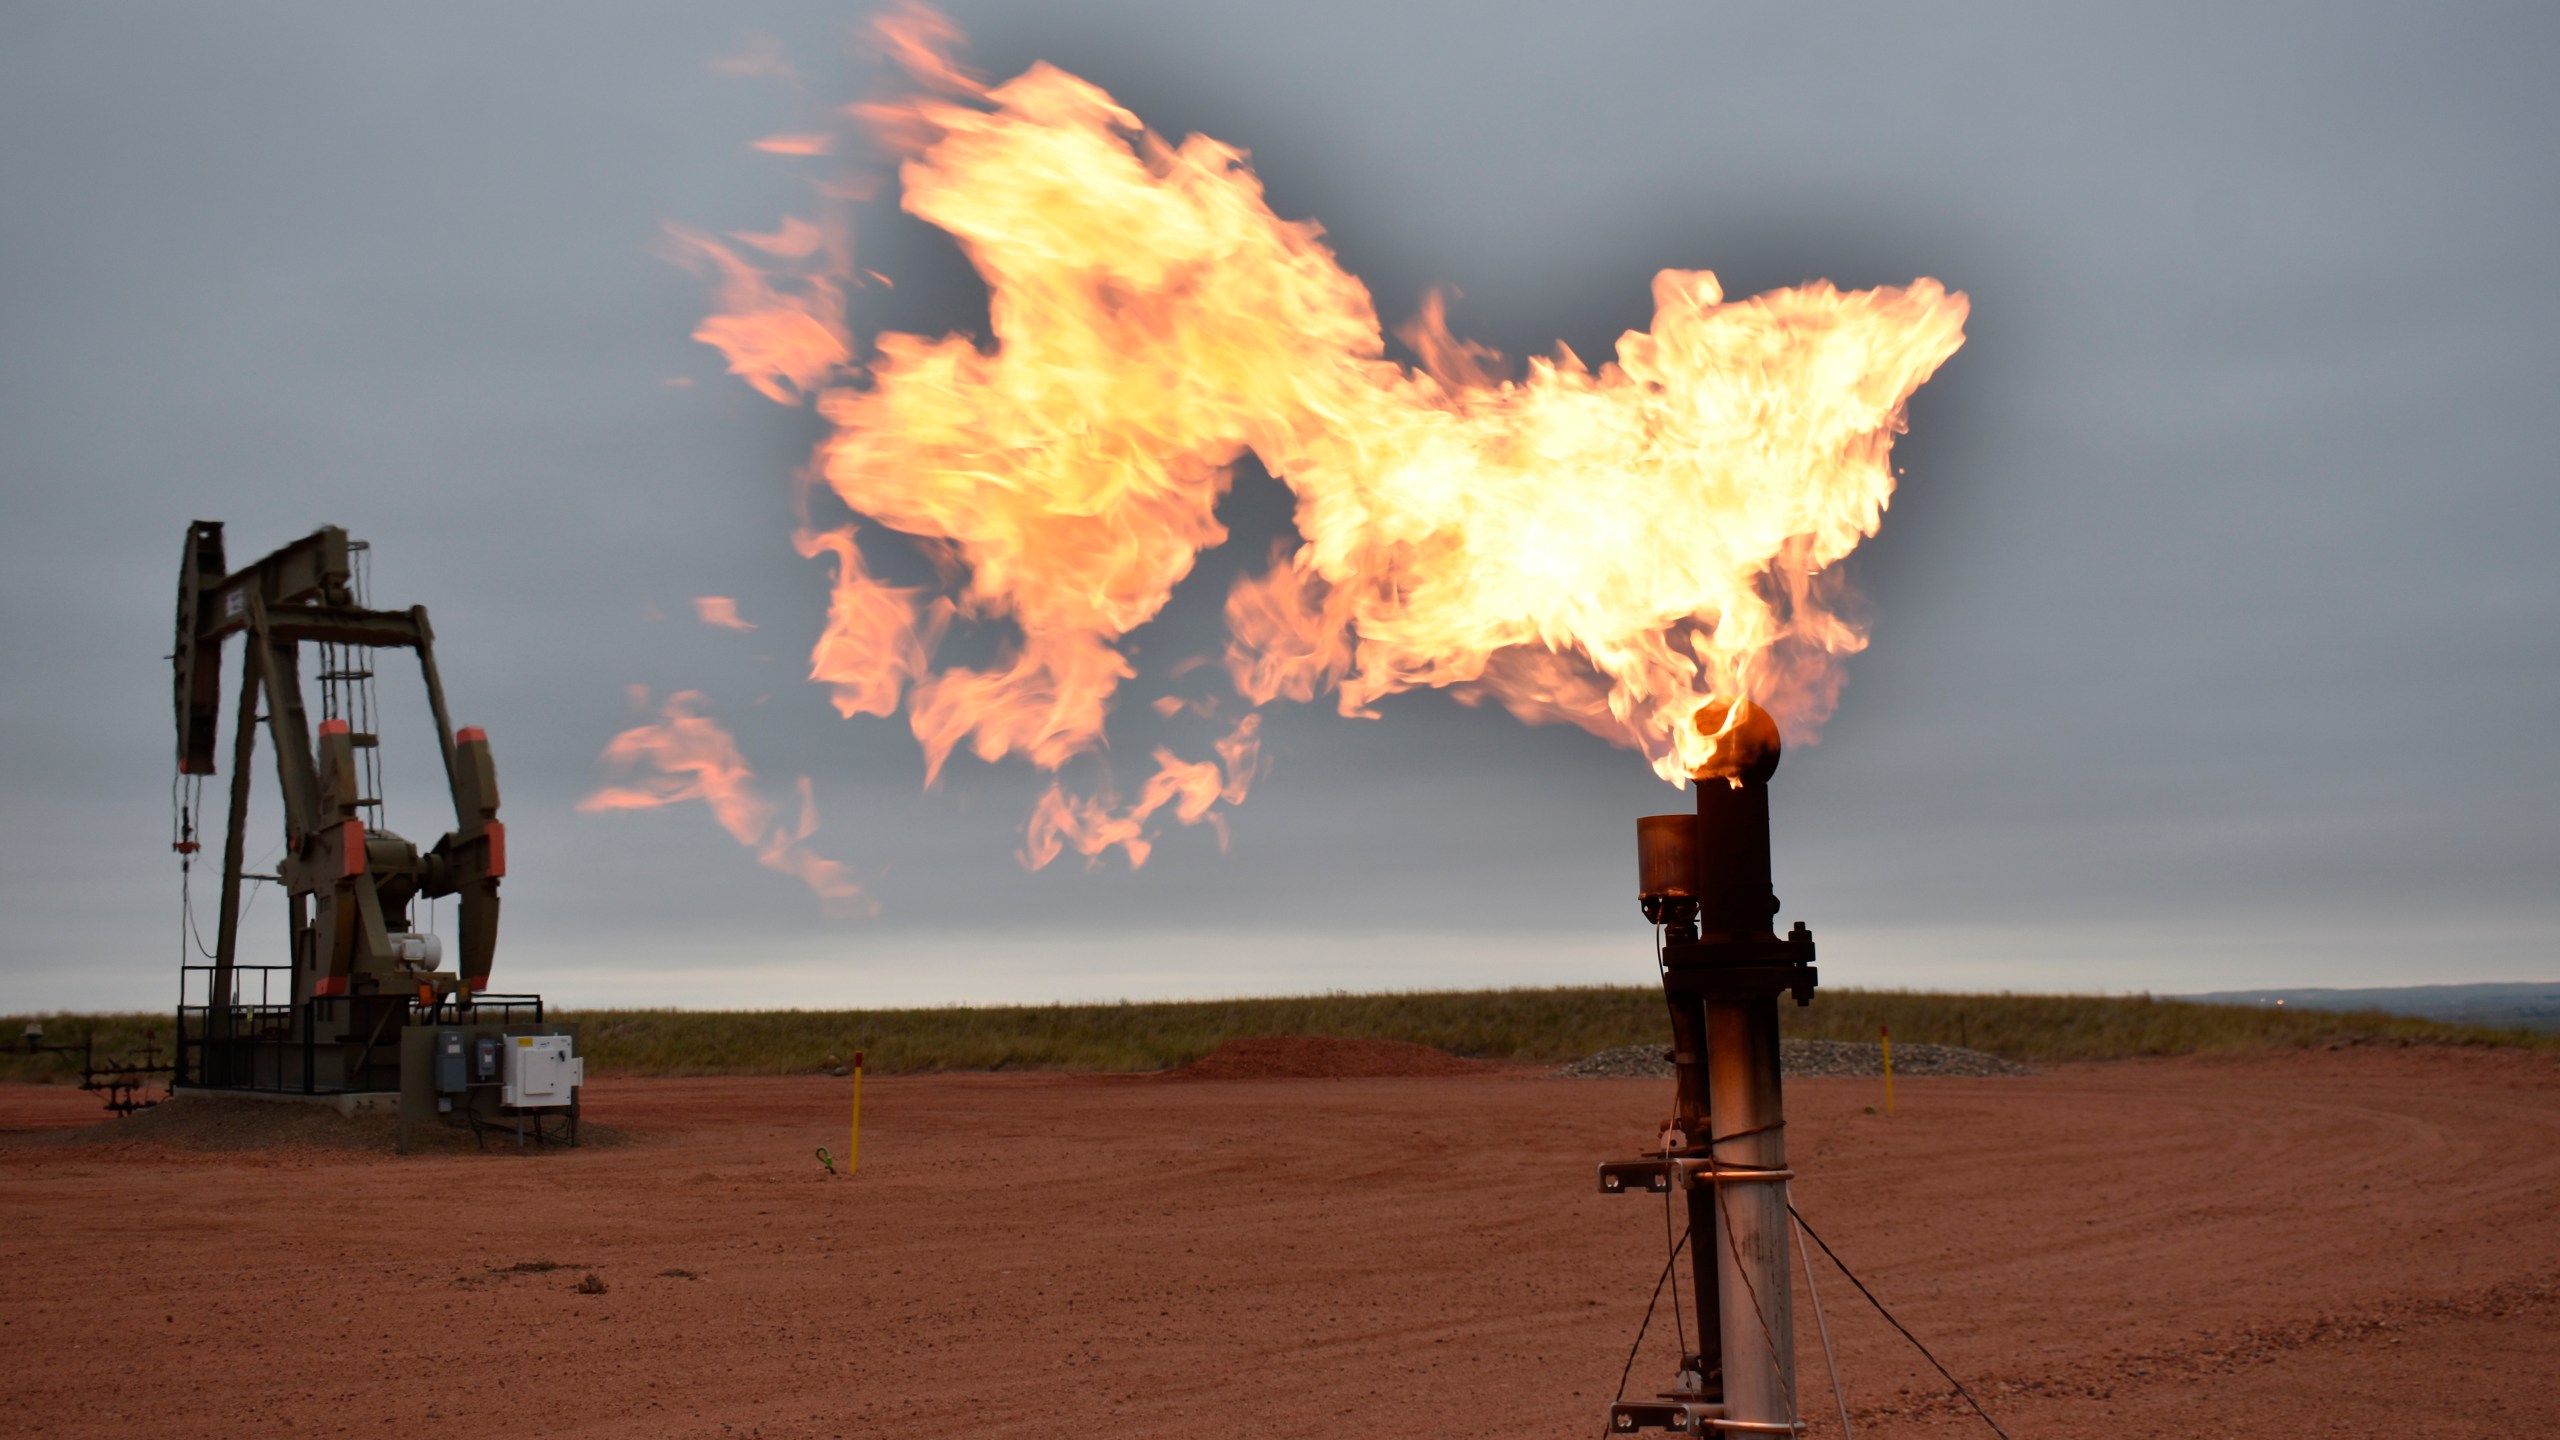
column 1321, row 1057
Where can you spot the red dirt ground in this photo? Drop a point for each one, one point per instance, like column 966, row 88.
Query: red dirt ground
column 2342, row 1244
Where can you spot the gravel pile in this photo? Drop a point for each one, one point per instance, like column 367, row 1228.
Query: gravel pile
column 1806, row 1057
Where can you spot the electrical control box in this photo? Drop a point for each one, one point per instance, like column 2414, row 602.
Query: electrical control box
column 453, row 1075
column 541, row 1071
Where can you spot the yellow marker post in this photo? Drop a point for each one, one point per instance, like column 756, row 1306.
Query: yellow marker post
column 1888, row 1039
column 853, row 1145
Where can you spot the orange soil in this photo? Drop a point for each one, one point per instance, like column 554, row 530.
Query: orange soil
column 2347, row 1244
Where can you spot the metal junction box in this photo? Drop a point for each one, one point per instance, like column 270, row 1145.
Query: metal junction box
column 453, row 1072
column 541, row 1071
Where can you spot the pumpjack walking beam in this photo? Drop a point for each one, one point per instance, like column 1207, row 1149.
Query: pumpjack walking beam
column 348, row 887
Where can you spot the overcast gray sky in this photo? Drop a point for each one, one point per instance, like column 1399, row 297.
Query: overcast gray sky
column 2214, row 622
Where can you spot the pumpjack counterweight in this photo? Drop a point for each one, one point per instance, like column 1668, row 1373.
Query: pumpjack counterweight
column 360, row 973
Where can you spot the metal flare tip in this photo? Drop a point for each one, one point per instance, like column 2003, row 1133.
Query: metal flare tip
column 1747, row 753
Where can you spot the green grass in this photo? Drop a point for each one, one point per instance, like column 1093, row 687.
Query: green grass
column 1526, row 1025
column 2119, row 1027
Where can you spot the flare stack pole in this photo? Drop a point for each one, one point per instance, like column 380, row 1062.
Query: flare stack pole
column 1705, row 881
column 1746, row 1132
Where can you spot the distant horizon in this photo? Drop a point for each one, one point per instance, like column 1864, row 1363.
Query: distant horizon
column 583, row 1001
column 914, row 966
column 2376, row 989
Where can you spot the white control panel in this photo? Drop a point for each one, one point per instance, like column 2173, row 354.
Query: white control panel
column 540, row 1071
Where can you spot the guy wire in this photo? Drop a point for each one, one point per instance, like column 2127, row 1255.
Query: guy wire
column 1896, row 1324
column 1656, row 1299
column 1830, row 1360
column 1679, row 1332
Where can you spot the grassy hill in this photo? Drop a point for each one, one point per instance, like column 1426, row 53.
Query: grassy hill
column 1525, row 1025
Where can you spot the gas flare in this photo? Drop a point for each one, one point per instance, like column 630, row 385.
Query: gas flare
column 687, row 755
column 1612, row 547
column 720, row 612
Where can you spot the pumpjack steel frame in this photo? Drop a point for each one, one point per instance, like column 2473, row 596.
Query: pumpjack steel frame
column 358, row 972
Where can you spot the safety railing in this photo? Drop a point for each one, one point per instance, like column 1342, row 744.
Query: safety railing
column 270, row 1043
column 235, row 1042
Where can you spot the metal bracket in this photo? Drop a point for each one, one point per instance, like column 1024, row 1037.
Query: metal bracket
column 1626, row 1177
column 1681, row 1417
column 1660, row 1177
column 1690, row 1417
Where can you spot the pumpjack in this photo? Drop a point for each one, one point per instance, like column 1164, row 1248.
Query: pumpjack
column 363, row 1006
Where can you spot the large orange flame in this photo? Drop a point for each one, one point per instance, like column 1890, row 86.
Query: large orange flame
column 1611, row 547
